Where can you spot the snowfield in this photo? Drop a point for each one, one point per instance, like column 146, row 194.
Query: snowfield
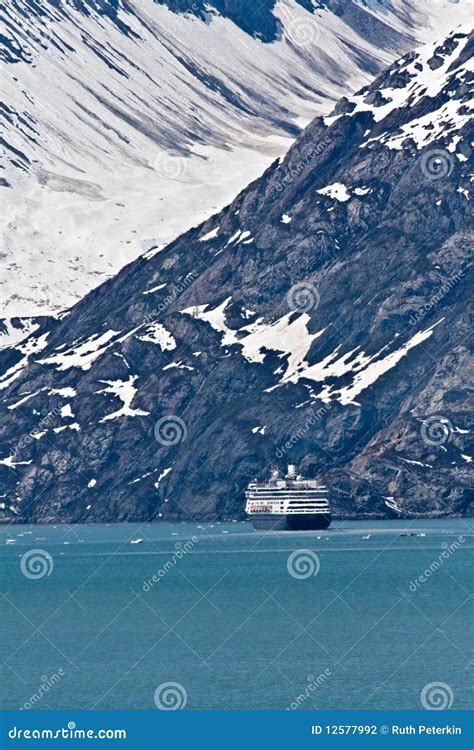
column 123, row 133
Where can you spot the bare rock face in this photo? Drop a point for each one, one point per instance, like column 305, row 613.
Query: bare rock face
column 322, row 318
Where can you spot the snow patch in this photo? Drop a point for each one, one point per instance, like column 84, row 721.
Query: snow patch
column 163, row 474
column 155, row 289
column 360, row 191
column 337, row 191
column 84, row 355
column 66, row 411
column 23, row 400
column 157, row 334
column 210, row 235
column 178, row 365
column 11, row 463
column 64, row 392
column 126, row 392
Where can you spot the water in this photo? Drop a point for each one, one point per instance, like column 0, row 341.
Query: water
column 229, row 623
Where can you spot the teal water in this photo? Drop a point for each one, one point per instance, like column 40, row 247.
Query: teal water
column 228, row 622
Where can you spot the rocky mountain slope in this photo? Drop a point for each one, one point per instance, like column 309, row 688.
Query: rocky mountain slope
column 322, row 318
column 125, row 122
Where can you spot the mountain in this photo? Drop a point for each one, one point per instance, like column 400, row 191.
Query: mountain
column 125, row 122
column 321, row 318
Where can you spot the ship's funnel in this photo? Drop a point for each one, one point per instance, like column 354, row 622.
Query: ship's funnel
column 292, row 471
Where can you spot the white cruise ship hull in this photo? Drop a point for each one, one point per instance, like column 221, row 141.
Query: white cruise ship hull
column 289, row 522
column 291, row 504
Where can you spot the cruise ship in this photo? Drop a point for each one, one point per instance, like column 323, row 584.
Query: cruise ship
column 290, row 503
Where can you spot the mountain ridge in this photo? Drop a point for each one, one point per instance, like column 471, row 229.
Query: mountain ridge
column 321, row 317
column 126, row 122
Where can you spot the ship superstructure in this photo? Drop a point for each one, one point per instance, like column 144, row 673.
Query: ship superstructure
column 291, row 502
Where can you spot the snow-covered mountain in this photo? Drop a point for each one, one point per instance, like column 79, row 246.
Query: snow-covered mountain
column 323, row 317
column 125, row 122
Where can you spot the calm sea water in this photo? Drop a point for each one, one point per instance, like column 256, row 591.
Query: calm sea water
column 238, row 619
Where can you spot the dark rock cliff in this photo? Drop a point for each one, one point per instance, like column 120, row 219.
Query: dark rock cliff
column 322, row 318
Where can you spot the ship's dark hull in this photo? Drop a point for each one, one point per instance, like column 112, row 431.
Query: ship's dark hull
column 291, row 522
